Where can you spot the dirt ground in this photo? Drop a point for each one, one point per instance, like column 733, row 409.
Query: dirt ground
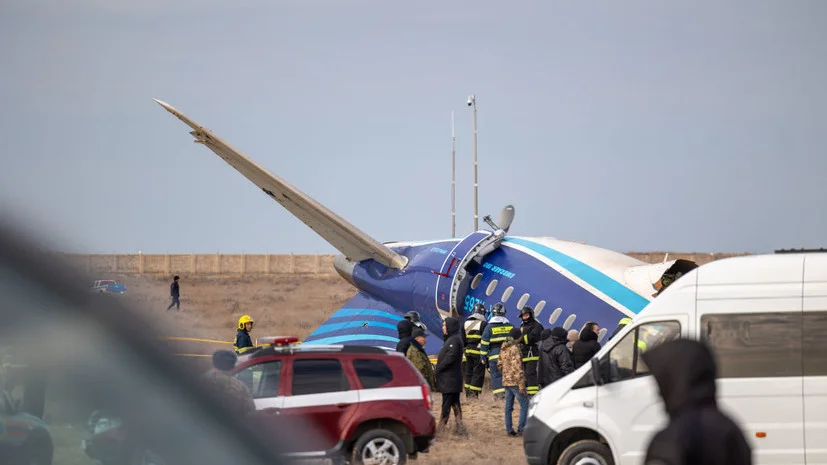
column 283, row 305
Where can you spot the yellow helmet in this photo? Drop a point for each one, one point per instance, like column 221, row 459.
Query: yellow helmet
column 245, row 319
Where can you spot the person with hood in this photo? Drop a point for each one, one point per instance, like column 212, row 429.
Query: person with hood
column 449, row 373
column 698, row 432
column 243, row 342
column 496, row 332
column 416, row 354
column 555, row 359
column 474, row 370
column 510, row 364
column 220, row 381
column 584, row 349
column 531, row 330
column 405, row 327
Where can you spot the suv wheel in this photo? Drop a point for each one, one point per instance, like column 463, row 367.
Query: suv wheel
column 587, row 452
column 379, row 447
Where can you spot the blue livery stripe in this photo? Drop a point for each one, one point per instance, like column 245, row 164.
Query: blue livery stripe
column 343, row 312
column 608, row 286
column 355, row 325
column 353, row 337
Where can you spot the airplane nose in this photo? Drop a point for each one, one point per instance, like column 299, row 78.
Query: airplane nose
column 344, row 267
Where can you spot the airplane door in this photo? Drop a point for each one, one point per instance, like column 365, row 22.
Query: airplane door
column 452, row 271
column 815, row 358
column 629, row 407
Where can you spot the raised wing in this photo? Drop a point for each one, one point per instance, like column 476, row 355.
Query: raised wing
column 349, row 240
column 364, row 320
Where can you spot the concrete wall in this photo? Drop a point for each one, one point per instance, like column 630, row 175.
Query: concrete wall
column 257, row 264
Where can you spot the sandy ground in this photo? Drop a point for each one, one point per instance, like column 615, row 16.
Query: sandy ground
column 283, row 305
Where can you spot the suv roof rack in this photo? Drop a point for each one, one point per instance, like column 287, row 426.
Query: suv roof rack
column 819, row 250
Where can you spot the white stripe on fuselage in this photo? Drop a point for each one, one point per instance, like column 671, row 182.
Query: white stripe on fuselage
column 572, row 277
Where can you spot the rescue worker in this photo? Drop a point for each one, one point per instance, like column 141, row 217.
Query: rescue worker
column 416, row 354
column 474, row 370
column 678, row 269
column 532, row 332
column 448, row 373
column 555, row 358
column 232, row 392
column 496, row 332
column 243, row 343
column 698, row 432
column 623, row 322
column 404, row 329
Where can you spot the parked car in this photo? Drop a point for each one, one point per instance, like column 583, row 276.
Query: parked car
column 108, row 286
column 366, row 403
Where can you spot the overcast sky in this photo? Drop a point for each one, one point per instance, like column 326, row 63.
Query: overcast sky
column 634, row 125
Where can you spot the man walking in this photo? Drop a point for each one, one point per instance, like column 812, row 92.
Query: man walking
column 174, row 294
column 449, row 373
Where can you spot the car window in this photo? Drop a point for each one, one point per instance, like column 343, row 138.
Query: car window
column 372, row 373
column 624, row 361
column 262, row 379
column 316, row 376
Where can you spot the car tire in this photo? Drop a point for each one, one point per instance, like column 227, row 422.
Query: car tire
column 388, row 442
column 39, row 449
column 586, row 452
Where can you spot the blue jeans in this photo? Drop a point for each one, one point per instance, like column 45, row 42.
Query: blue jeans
column 510, row 393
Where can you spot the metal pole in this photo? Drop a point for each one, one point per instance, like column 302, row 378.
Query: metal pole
column 476, row 213
column 453, row 179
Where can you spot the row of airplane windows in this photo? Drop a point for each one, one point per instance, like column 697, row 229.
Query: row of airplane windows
column 492, row 286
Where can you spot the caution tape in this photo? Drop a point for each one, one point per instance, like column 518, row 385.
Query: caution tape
column 194, row 339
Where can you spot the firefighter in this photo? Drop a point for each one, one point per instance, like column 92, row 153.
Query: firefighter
column 243, row 343
column 532, row 332
column 496, row 332
column 405, row 328
column 474, row 370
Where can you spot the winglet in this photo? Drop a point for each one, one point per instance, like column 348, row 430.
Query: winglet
column 349, row 240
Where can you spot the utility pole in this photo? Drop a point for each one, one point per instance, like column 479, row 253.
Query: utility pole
column 472, row 102
column 453, row 179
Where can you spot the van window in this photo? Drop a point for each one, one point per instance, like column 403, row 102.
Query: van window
column 815, row 343
column 624, row 358
column 755, row 345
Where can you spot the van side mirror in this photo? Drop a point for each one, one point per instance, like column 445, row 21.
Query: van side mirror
column 596, row 375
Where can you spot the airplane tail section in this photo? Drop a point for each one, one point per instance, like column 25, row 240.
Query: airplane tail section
column 349, row 240
column 365, row 320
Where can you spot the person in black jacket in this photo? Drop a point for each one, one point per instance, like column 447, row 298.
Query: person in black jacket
column 532, row 333
column 175, row 294
column 449, row 373
column 584, row 349
column 405, row 328
column 555, row 359
column 697, row 433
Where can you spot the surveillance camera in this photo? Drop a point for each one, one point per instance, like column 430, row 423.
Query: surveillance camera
column 470, row 100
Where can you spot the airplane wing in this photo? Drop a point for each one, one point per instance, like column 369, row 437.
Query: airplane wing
column 365, row 320
column 349, row 240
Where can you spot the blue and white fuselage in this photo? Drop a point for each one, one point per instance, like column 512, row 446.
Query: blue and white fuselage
column 567, row 283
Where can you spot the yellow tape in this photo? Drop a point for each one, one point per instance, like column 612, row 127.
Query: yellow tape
column 195, row 339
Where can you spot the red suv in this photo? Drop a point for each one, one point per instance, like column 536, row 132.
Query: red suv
column 368, row 404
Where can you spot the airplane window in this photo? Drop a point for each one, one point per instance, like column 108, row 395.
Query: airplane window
column 540, row 306
column 555, row 315
column 476, row 281
column 507, row 293
column 569, row 321
column 491, row 287
column 521, row 303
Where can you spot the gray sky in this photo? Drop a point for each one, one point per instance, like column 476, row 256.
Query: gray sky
column 635, row 125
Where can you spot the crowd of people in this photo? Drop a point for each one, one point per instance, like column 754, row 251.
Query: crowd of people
column 520, row 360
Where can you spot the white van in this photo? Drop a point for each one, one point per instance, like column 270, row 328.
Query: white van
column 765, row 318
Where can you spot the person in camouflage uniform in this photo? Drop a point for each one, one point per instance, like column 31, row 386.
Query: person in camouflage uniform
column 235, row 394
column 510, row 364
column 416, row 354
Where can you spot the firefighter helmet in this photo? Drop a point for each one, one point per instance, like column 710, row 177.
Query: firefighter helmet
column 245, row 319
column 528, row 310
column 498, row 309
column 479, row 309
column 412, row 316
